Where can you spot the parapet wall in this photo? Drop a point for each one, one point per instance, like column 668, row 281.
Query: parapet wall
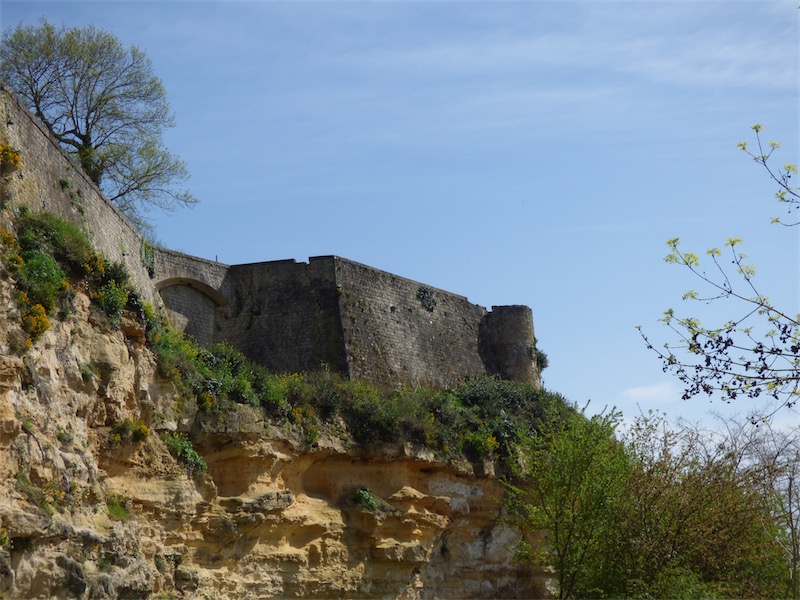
column 284, row 315
column 287, row 315
column 400, row 331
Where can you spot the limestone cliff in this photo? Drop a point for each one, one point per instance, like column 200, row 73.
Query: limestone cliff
column 88, row 510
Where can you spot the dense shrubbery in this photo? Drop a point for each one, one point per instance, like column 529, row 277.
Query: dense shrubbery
column 659, row 512
column 129, row 430
column 46, row 255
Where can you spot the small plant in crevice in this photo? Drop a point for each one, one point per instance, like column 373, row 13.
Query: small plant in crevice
column 148, row 258
column 129, row 430
column 118, row 507
column 539, row 357
column 65, row 436
column 35, row 494
column 26, row 423
column 10, row 159
column 364, row 498
column 5, row 541
column 182, row 450
column 105, row 563
column 88, row 371
column 76, row 201
column 174, row 559
column 159, row 562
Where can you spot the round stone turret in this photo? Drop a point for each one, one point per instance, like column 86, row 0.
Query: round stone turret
column 512, row 342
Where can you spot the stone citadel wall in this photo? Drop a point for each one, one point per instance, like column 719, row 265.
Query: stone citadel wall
column 287, row 315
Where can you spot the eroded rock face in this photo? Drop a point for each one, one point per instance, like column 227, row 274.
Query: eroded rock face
column 86, row 515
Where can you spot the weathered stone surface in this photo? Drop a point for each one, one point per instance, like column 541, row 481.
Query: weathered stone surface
column 75, row 582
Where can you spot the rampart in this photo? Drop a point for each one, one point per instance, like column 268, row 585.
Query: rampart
column 289, row 316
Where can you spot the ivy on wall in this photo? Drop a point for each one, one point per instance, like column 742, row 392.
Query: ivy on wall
column 425, row 297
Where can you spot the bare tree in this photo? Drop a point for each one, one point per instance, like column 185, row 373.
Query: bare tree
column 105, row 106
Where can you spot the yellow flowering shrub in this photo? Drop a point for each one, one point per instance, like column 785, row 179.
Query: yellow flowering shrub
column 35, row 321
column 9, row 158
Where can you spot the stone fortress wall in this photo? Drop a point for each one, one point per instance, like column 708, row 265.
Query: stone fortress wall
column 289, row 316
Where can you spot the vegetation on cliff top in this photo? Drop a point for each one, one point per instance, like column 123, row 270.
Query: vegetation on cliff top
column 484, row 417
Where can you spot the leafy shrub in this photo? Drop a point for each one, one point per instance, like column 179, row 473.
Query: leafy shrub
column 43, row 279
column 177, row 355
column 34, row 318
column 112, row 297
column 181, row 448
column 114, row 271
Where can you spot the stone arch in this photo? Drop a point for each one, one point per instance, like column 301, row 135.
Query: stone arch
column 191, row 306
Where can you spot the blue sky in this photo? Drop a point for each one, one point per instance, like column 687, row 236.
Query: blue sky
column 535, row 153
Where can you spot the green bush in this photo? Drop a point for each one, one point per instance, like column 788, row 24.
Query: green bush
column 44, row 248
column 34, row 318
column 43, row 279
column 112, row 297
column 177, row 355
column 114, row 271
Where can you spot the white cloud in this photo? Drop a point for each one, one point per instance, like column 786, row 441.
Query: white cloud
column 650, row 396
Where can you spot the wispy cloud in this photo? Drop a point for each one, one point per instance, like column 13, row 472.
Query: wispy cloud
column 682, row 46
column 654, row 395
